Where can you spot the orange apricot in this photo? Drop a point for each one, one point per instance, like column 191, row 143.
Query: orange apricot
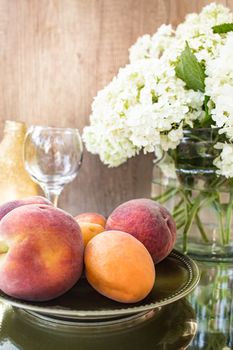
column 119, row 266
column 89, row 230
column 94, row 218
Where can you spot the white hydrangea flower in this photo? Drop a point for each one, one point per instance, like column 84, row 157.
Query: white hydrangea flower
column 196, row 25
column 197, row 31
column 141, row 49
column 141, row 108
column 219, row 86
column 224, row 162
column 146, row 107
column 152, row 46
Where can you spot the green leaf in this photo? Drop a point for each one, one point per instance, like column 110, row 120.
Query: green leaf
column 206, row 120
column 223, row 28
column 190, row 70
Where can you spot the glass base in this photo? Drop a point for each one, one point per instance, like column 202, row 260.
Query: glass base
column 206, row 252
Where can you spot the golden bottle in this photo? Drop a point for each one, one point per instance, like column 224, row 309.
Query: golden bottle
column 15, row 183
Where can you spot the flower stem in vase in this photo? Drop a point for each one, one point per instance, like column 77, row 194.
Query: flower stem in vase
column 164, row 197
column 193, row 208
column 217, row 207
column 201, row 229
column 229, row 219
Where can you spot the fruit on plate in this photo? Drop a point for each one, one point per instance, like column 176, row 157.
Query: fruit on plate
column 89, row 230
column 41, row 252
column 149, row 222
column 91, row 224
column 118, row 266
column 8, row 206
column 93, row 218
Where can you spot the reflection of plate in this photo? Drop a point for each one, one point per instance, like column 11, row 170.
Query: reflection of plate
column 170, row 327
column 177, row 275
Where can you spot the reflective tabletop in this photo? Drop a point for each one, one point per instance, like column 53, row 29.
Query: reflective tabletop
column 203, row 320
column 212, row 301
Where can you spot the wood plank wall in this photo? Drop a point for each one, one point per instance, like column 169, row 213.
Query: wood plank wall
column 54, row 57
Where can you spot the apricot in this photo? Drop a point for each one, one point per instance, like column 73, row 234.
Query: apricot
column 89, row 230
column 91, row 224
column 41, row 252
column 93, row 218
column 119, row 266
column 149, row 222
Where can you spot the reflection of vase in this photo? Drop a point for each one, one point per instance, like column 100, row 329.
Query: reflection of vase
column 15, row 183
column 201, row 202
column 213, row 303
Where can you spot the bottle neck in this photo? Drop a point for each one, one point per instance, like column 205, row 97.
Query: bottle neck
column 14, row 127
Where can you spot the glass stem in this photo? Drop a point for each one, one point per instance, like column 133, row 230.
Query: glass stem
column 52, row 194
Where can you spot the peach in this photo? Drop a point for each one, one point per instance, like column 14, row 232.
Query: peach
column 147, row 221
column 41, row 252
column 119, row 267
column 89, row 230
column 93, row 218
column 8, row 206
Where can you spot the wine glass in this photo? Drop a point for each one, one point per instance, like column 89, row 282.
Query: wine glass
column 52, row 157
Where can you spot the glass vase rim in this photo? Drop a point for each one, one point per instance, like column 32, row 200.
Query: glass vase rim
column 206, row 129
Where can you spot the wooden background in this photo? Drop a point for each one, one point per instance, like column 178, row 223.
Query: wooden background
column 54, row 57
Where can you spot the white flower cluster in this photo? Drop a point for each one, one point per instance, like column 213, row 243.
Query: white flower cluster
column 224, row 161
column 142, row 108
column 152, row 46
column 146, row 106
column 196, row 30
column 219, row 85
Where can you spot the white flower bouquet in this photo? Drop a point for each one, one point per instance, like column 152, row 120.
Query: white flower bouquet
column 178, row 81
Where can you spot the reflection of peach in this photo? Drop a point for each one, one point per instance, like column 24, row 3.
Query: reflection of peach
column 41, row 252
column 94, row 218
column 119, row 266
column 8, row 206
column 89, row 231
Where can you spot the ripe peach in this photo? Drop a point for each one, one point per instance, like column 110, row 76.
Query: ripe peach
column 8, row 206
column 119, row 266
column 89, row 230
column 41, row 252
column 93, row 218
column 147, row 221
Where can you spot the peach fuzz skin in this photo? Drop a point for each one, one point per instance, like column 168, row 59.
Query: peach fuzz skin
column 41, row 252
column 93, row 218
column 147, row 221
column 119, row 267
column 8, row 206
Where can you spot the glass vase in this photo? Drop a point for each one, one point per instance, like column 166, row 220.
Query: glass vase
column 185, row 180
